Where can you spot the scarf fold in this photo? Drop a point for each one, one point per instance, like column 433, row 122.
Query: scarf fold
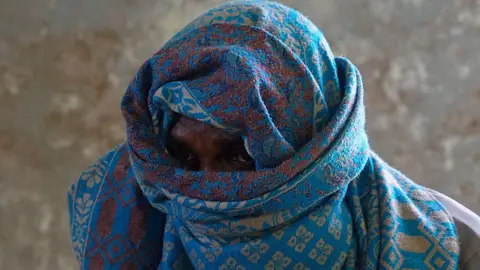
column 319, row 197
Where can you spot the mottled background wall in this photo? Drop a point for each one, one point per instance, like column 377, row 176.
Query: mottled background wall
column 64, row 66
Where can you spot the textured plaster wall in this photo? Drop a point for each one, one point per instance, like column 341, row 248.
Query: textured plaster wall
column 64, row 65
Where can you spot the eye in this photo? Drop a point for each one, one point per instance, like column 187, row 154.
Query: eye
column 191, row 157
column 183, row 153
column 191, row 161
column 241, row 158
column 235, row 153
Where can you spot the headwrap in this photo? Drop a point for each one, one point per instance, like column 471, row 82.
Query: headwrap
column 319, row 197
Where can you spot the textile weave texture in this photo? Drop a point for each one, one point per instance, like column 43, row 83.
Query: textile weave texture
column 319, row 197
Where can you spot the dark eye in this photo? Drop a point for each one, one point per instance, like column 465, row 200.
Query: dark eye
column 241, row 158
column 191, row 161
column 236, row 154
column 240, row 161
column 183, row 153
column 190, row 157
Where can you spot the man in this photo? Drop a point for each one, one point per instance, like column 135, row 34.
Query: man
column 247, row 149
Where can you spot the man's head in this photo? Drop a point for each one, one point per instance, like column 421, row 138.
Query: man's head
column 253, row 68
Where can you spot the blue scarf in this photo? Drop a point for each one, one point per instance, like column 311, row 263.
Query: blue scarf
column 319, row 197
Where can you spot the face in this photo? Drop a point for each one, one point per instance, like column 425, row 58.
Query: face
column 202, row 147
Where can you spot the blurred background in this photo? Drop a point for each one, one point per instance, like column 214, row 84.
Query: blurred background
column 65, row 64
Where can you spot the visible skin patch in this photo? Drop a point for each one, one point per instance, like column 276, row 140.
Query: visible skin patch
column 202, row 147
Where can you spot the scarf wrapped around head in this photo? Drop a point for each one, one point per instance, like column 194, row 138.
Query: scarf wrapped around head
column 319, row 198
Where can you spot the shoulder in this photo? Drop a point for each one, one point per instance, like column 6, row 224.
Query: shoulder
column 468, row 230
column 82, row 195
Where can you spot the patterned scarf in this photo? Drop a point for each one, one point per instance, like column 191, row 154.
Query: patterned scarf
column 319, row 197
